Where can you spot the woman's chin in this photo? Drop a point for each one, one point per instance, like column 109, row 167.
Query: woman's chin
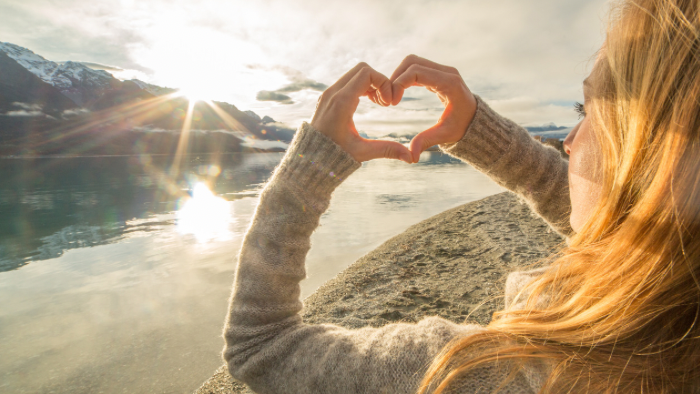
column 576, row 223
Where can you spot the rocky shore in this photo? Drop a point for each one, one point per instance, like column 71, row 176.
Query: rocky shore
column 452, row 265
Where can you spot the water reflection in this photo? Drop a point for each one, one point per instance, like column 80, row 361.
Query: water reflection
column 48, row 206
column 204, row 215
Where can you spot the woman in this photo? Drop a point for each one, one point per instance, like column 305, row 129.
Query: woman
column 618, row 310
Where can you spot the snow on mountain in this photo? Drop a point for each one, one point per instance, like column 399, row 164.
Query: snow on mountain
column 79, row 71
column 75, row 80
column 58, row 75
column 37, row 65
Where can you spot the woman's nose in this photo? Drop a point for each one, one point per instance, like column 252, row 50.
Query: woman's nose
column 569, row 140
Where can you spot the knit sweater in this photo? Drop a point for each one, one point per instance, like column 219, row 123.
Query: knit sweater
column 271, row 349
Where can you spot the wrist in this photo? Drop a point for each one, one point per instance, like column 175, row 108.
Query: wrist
column 472, row 105
column 315, row 164
column 487, row 137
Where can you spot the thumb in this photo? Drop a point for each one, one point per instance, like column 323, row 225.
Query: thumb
column 378, row 149
column 422, row 141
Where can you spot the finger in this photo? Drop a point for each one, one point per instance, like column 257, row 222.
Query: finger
column 413, row 59
column 340, row 83
column 372, row 95
column 416, row 75
column 396, row 94
column 423, row 141
column 378, row 149
column 365, row 79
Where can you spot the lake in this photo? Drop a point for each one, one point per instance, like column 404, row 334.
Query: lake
column 115, row 272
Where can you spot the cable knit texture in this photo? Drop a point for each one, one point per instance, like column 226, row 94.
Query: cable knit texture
column 271, row 349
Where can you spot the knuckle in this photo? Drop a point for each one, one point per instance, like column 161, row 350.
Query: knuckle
column 455, row 79
column 389, row 153
column 362, row 65
column 453, row 70
column 411, row 58
column 414, row 68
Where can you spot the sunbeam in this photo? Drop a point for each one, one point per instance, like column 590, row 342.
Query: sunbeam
column 182, row 143
column 138, row 111
column 228, row 119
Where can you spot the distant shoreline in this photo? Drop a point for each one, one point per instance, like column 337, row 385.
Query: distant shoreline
column 59, row 156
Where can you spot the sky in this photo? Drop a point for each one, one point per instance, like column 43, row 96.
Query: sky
column 526, row 58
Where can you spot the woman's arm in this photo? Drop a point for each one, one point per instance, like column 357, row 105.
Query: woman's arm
column 473, row 132
column 267, row 345
column 508, row 154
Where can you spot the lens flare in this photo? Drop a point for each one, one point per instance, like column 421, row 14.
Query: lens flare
column 205, row 215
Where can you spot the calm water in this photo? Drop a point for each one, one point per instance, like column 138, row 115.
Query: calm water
column 115, row 272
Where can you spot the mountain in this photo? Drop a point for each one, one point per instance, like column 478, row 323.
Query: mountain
column 546, row 127
column 152, row 89
column 74, row 80
column 18, row 85
column 549, row 132
column 69, row 108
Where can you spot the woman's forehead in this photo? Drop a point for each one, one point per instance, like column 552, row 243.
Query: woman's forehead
column 597, row 69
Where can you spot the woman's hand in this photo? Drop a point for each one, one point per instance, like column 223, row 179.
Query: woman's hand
column 338, row 104
column 459, row 102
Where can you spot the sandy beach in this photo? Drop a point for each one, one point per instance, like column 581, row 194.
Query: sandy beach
column 452, row 265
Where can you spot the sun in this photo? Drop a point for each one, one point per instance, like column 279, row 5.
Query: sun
column 198, row 89
column 195, row 94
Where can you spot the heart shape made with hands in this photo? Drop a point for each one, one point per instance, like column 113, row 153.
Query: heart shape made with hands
column 337, row 105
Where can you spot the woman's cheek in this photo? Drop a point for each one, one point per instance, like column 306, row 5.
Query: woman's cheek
column 585, row 180
column 584, row 196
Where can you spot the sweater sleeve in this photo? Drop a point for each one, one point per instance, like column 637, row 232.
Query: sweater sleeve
column 268, row 346
column 508, row 154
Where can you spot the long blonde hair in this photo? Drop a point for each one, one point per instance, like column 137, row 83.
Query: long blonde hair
column 623, row 300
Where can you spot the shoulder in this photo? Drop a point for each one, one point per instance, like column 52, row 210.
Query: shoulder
column 516, row 282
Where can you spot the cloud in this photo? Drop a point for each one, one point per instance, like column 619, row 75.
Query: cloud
column 298, row 83
column 504, row 50
column 266, row 95
column 74, row 112
column 98, row 66
column 27, row 107
column 117, row 72
column 302, row 85
column 72, row 30
column 24, row 113
column 528, row 111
